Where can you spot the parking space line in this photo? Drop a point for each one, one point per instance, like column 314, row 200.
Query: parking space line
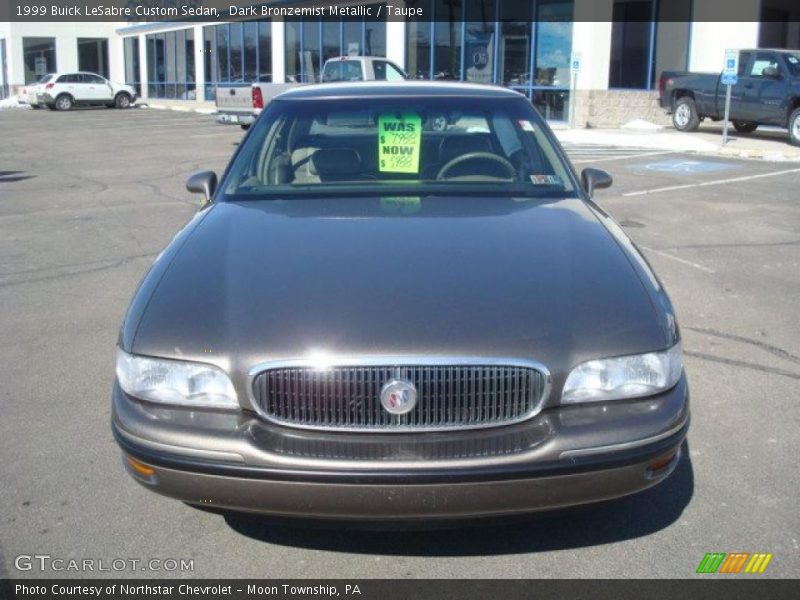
column 620, row 157
column 672, row 188
column 678, row 259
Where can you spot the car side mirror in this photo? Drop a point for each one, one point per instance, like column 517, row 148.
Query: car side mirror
column 202, row 182
column 595, row 179
column 771, row 73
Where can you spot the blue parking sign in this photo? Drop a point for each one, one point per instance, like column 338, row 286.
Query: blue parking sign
column 728, row 79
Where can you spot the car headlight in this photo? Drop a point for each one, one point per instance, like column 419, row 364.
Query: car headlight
column 623, row 377
column 175, row 382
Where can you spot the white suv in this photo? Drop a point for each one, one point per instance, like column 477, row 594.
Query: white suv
column 65, row 90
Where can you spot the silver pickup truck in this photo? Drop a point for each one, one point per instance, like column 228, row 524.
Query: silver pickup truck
column 240, row 104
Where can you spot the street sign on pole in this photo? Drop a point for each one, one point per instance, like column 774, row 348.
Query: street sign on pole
column 729, row 78
column 574, row 67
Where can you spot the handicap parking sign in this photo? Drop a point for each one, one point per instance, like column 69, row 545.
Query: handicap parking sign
column 729, row 79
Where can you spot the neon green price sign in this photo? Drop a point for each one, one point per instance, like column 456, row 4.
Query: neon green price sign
column 399, row 138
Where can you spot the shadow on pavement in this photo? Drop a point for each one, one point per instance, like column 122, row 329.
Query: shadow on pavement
column 626, row 518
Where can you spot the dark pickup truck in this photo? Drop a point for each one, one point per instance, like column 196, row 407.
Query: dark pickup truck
column 767, row 93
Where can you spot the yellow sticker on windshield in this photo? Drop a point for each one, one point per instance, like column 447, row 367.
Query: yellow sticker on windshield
column 398, row 142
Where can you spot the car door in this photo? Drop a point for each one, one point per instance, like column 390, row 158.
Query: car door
column 97, row 88
column 70, row 83
column 764, row 93
column 385, row 70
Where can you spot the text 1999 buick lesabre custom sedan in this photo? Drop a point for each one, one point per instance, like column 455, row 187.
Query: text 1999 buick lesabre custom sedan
column 400, row 302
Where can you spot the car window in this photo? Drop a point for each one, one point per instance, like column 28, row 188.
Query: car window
column 332, row 72
column 761, row 62
column 396, row 145
column 744, row 63
column 45, row 78
column 90, row 78
column 386, row 71
column 793, row 64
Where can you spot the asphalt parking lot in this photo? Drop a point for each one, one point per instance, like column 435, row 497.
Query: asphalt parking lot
column 89, row 198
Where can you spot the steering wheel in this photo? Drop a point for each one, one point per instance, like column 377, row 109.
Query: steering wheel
column 477, row 156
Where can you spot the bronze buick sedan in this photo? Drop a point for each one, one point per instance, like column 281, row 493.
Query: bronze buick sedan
column 400, row 302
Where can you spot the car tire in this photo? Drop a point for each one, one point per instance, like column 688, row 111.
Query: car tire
column 745, row 126
column 244, row 126
column 122, row 100
column 794, row 127
column 64, row 102
column 685, row 117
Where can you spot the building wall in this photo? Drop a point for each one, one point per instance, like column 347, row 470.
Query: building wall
column 66, row 38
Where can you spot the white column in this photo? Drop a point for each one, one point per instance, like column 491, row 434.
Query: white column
column 278, row 50
column 710, row 40
column 396, row 42
column 199, row 65
column 116, row 58
column 143, row 65
column 593, row 41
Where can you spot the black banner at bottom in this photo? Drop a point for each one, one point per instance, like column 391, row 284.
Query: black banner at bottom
column 387, row 589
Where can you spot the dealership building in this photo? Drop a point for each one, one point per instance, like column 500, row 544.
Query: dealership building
column 526, row 45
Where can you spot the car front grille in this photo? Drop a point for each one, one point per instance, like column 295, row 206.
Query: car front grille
column 450, row 396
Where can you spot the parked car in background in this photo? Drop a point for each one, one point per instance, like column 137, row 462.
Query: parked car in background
column 65, row 90
column 32, row 94
column 767, row 93
column 411, row 308
column 240, row 105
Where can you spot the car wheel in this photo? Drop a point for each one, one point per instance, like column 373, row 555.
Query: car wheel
column 745, row 126
column 685, row 117
column 794, row 127
column 244, row 126
column 122, row 100
column 63, row 102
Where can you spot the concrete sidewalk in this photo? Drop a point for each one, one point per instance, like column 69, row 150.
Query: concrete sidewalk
column 766, row 143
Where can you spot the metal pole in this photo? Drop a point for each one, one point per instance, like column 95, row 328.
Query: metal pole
column 574, row 83
column 727, row 114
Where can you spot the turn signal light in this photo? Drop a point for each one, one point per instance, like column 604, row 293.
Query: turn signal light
column 659, row 464
column 140, row 468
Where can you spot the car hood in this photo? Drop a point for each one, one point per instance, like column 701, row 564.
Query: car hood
column 467, row 277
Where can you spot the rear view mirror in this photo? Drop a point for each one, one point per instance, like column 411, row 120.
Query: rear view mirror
column 202, row 182
column 595, row 179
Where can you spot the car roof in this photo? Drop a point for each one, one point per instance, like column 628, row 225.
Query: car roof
column 383, row 89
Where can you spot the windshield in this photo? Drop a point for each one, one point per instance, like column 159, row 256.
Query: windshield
column 793, row 62
column 400, row 145
column 45, row 78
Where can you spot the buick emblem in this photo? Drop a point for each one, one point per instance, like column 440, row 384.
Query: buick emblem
column 399, row 396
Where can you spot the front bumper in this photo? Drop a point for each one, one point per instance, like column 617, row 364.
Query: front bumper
column 562, row 457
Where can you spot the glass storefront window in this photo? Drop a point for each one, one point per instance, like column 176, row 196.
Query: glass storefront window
column 375, row 36
column 352, row 31
column 292, row 51
column 553, row 42
column 93, row 55
column 418, row 49
column 331, row 39
column 311, row 51
column 447, row 39
column 648, row 37
column 170, row 65
column 132, row 71
column 264, row 51
column 250, row 72
column 514, row 53
column 309, row 43
column 39, row 56
column 479, row 46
